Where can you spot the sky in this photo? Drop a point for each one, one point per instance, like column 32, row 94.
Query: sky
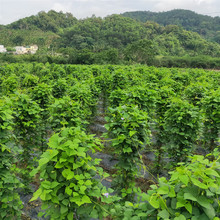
column 12, row 10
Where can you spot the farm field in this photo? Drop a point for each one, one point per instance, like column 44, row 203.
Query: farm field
column 156, row 129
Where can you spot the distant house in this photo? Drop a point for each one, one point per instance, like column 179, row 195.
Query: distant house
column 24, row 50
column 2, row 49
column 20, row 50
column 32, row 49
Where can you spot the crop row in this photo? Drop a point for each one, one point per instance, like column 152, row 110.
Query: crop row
column 45, row 112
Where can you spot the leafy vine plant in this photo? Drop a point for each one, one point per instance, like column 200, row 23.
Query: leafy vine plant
column 71, row 186
column 10, row 203
column 191, row 193
column 128, row 128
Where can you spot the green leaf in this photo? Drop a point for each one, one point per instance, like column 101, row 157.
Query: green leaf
column 54, row 184
column 59, row 165
column 163, row 190
column 189, row 196
column 46, row 195
column 180, row 217
column 43, row 161
column 65, row 202
column 68, row 191
column 172, row 192
column 188, row 207
column 211, row 172
column 63, row 209
column 154, row 201
column 184, row 179
column 70, row 216
column 55, row 200
column 46, row 184
column 198, row 183
column 164, row 214
column 36, row 195
column 86, row 199
column 34, row 172
column 131, row 133
column 82, row 189
column 203, row 201
column 127, row 150
column 54, row 141
column 210, row 212
column 68, row 174
column 180, row 204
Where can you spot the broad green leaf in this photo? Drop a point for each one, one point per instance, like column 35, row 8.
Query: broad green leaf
column 82, row 189
column 184, row 179
column 86, row 199
column 68, row 174
column 127, row 150
column 164, row 214
column 198, row 183
column 189, row 196
column 36, row 195
column 188, row 207
column 210, row 212
column 54, row 141
column 46, row 184
column 180, row 217
column 211, row 172
column 70, row 216
column 52, row 153
column 180, row 204
column 163, row 190
column 65, row 202
column 203, row 201
column 43, row 161
column 59, row 165
column 54, row 184
column 68, row 191
column 46, row 195
column 55, row 200
column 131, row 133
column 154, row 201
column 172, row 192
column 63, row 209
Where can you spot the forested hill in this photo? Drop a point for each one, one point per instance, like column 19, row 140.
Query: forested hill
column 207, row 26
column 52, row 21
column 113, row 39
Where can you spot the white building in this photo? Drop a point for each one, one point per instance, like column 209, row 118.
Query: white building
column 32, row 49
column 26, row 50
column 2, row 49
column 20, row 50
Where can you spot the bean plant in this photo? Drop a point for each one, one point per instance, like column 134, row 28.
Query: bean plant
column 70, row 185
column 27, row 123
column 128, row 128
column 10, row 203
column 211, row 103
column 191, row 192
column 182, row 127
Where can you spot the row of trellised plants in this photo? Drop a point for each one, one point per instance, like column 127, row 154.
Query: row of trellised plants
column 45, row 112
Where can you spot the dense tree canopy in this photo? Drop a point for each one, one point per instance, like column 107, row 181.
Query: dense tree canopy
column 206, row 26
column 115, row 38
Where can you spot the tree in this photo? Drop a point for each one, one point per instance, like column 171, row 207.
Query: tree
column 140, row 51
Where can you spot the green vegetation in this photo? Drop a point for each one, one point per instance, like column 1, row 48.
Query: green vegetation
column 45, row 110
column 114, row 39
column 206, row 26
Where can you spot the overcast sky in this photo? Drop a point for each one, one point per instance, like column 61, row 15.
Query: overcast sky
column 12, row 10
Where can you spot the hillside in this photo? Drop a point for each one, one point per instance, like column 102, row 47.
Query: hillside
column 52, row 21
column 113, row 39
column 206, row 26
